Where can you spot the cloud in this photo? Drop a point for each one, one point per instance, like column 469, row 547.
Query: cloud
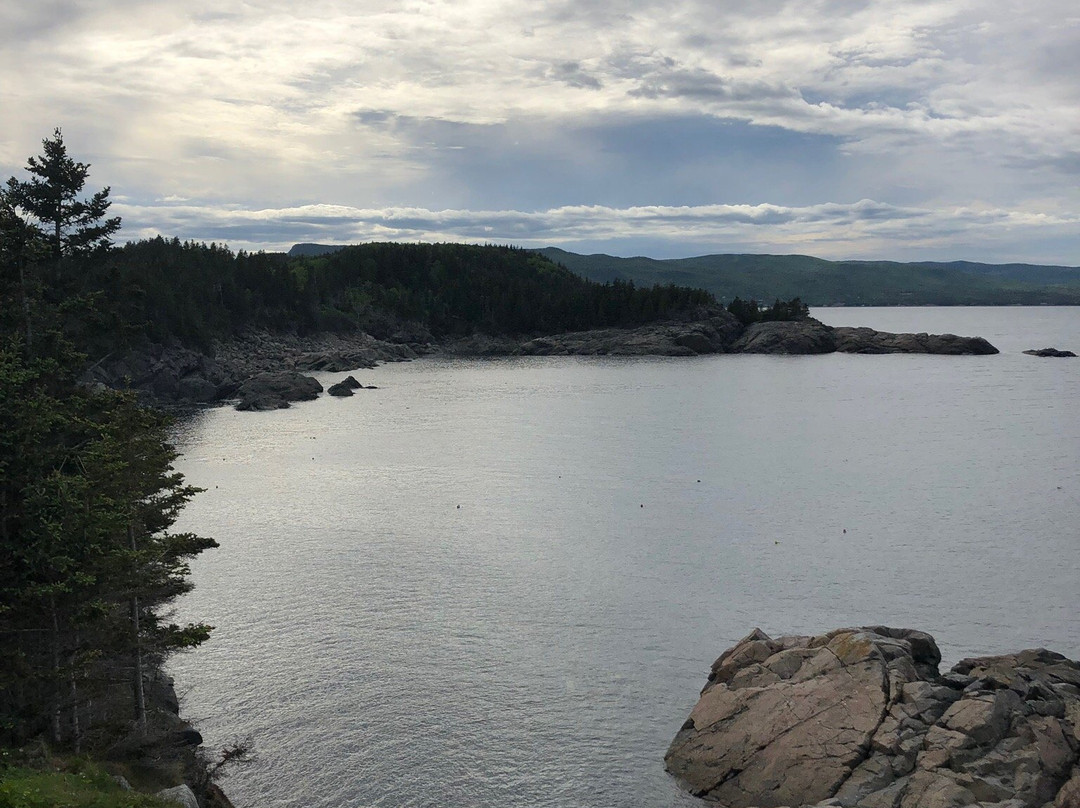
column 831, row 227
column 485, row 105
column 573, row 74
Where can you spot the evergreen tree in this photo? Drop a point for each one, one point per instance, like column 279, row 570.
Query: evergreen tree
column 22, row 245
column 52, row 200
column 87, row 492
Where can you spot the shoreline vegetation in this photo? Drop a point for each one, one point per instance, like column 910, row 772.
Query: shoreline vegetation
column 89, row 564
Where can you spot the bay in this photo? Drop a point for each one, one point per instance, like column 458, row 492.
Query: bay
column 502, row 582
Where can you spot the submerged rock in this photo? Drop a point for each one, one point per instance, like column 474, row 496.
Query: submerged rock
column 1049, row 352
column 861, row 718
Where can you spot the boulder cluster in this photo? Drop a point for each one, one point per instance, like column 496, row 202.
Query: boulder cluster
column 861, row 718
column 242, row 368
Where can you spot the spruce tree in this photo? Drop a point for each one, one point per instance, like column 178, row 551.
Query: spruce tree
column 53, row 200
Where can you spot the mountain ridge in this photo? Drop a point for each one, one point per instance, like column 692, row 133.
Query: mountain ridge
column 820, row 282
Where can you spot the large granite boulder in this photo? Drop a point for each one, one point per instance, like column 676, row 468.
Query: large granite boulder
column 861, row 718
column 273, row 391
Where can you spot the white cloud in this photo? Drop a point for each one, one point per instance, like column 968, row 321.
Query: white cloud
column 830, row 228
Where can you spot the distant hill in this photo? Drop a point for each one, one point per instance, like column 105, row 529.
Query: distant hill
column 839, row 283
column 299, row 250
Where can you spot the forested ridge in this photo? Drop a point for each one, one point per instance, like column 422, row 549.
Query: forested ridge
column 161, row 289
column 846, row 283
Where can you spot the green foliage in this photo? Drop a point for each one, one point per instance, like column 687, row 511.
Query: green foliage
column 749, row 311
column 746, row 311
column 164, row 290
column 51, row 199
column 81, row 785
column 88, row 494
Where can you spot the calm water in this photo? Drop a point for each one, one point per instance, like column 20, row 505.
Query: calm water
column 501, row 583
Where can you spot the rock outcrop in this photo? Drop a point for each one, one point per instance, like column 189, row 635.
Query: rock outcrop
column 807, row 336
column 173, row 374
column 1056, row 352
column 274, row 391
column 176, row 375
column 810, row 336
column 869, row 341
column 345, row 387
column 182, row 795
column 716, row 331
column 861, row 718
column 711, row 335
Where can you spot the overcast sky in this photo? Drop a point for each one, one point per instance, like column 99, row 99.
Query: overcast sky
column 903, row 129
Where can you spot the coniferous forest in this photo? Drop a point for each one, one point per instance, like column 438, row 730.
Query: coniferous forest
column 163, row 289
column 88, row 495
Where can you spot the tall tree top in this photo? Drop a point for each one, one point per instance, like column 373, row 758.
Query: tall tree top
column 53, row 199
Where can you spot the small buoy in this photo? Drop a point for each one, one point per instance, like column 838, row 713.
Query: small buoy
column 776, row 542
column 642, row 506
column 845, row 530
column 699, row 481
column 459, row 507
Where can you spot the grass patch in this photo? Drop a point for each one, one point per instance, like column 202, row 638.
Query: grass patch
column 81, row 785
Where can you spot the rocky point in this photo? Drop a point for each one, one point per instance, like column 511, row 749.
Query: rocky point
column 862, row 718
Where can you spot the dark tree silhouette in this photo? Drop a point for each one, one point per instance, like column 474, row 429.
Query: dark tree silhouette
column 53, row 200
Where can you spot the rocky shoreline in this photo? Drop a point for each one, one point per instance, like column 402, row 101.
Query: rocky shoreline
column 178, row 376
column 862, row 718
column 272, row 366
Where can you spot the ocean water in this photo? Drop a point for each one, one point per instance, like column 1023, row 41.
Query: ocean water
column 502, row 582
